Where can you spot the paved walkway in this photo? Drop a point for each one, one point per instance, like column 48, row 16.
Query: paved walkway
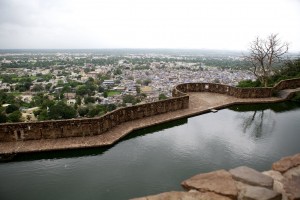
column 199, row 103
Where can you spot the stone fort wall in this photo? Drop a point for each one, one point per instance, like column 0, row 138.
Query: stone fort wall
column 95, row 126
column 88, row 127
column 235, row 91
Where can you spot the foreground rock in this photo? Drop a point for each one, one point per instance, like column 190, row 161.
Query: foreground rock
column 278, row 182
column 219, row 182
column 286, row 163
column 242, row 183
column 259, row 193
column 295, row 171
column 184, row 196
column 292, row 188
column 251, row 177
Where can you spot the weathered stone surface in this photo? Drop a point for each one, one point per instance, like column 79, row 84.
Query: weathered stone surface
column 259, row 193
column 292, row 188
column 286, row 163
column 185, row 196
column 274, row 175
column 278, row 182
column 251, row 177
column 219, row 182
column 295, row 171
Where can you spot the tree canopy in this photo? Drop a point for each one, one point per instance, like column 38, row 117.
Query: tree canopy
column 264, row 54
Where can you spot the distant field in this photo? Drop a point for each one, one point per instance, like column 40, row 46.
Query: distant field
column 113, row 93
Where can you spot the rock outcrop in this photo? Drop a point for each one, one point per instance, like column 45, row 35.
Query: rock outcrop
column 185, row 196
column 252, row 177
column 219, row 182
column 242, row 183
column 286, row 163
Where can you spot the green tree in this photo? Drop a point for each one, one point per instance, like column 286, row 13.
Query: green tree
column 111, row 107
column 130, row 99
column 11, row 108
column 89, row 100
column 83, row 111
column 42, row 115
column 61, row 111
column 105, row 94
column 100, row 89
column 78, row 100
column 15, row 116
column 37, row 88
column 162, row 96
column 118, row 71
column 48, row 86
column 6, row 98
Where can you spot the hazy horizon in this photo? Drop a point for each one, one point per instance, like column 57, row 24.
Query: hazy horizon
column 134, row 24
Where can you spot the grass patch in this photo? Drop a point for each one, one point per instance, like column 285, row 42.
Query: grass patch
column 113, row 93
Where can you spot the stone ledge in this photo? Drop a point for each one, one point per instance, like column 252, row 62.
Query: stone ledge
column 286, row 163
column 252, row 177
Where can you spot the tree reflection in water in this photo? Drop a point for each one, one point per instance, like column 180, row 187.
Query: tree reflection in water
column 257, row 122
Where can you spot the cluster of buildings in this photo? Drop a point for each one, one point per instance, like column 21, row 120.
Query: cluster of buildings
column 150, row 79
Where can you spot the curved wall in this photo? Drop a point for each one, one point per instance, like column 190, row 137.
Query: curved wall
column 88, row 127
column 94, row 126
column 235, row 91
column 226, row 89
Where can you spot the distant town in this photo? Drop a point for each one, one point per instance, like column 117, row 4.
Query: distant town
column 44, row 85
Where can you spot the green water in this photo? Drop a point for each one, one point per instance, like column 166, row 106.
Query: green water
column 157, row 159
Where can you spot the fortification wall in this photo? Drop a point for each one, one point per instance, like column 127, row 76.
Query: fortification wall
column 88, row 127
column 225, row 89
column 287, row 84
column 94, row 126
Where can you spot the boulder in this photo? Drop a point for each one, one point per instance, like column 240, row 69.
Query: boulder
column 295, row 171
column 185, row 196
column 292, row 188
column 259, row 193
column 275, row 175
column 252, row 177
column 286, row 163
column 278, row 182
column 219, row 182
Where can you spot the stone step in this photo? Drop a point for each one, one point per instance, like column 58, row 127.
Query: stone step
column 219, row 182
column 252, row 177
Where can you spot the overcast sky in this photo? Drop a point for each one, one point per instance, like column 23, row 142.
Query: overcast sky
column 196, row 24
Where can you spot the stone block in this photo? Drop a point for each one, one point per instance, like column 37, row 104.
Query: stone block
column 295, row 171
column 252, row 177
column 259, row 193
column 185, row 196
column 219, row 182
column 286, row 163
column 292, row 188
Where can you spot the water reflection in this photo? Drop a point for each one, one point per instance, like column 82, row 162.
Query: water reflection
column 257, row 123
column 258, row 120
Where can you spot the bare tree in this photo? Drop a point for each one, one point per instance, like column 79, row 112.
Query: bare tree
column 263, row 54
